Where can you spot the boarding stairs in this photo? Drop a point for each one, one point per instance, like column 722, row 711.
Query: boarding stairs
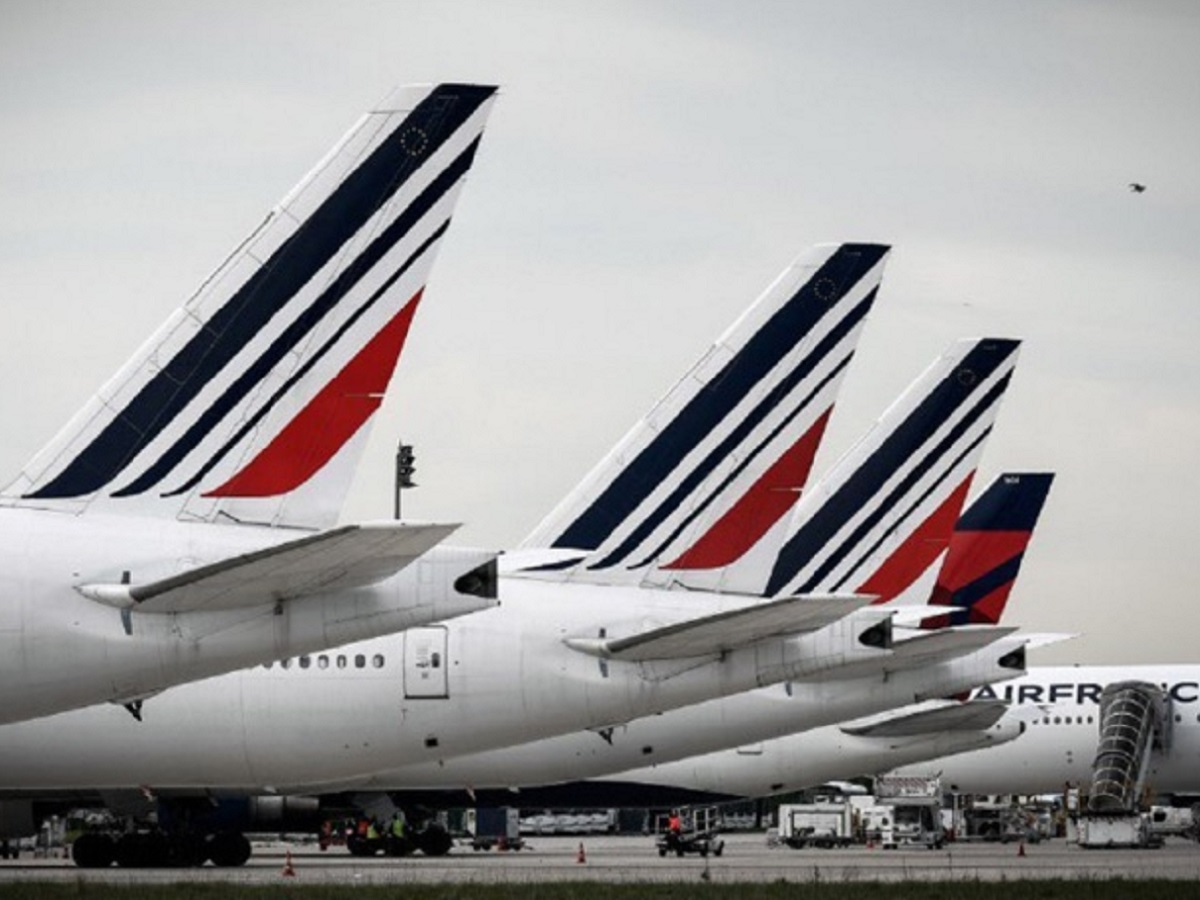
column 1134, row 721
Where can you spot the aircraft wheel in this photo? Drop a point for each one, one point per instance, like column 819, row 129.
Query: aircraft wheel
column 229, row 849
column 434, row 840
column 188, row 850
column 93, row 851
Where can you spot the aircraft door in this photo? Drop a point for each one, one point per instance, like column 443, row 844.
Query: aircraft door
column 425, row 675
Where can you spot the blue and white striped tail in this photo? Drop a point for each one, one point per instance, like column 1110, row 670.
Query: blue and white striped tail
column 869, row 523
column 249, row 404
column 723, row 456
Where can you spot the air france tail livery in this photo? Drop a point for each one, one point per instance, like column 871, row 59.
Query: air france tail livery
column 723, row 457
column 181, row 525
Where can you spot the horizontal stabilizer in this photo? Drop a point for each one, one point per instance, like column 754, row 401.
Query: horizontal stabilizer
column 727, row 630
column 1046, row 638
column 978, row 715
column 340, row 559
column 945, row 644
column 912, row 615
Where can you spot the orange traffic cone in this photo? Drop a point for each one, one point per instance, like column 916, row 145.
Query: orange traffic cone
column 1021, row 849
column 581, row 857
column 289, row 871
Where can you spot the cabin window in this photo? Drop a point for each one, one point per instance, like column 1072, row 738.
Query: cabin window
column 377, row 660
column 305, row 662
column 341, row 661
column 360, row 661
column 322, row 661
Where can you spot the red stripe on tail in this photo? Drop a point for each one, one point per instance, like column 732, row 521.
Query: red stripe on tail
column 759, row 508
column 906, row 564
column 329, row 420
column 975, row 553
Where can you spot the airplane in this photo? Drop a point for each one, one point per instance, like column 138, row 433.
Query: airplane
column 561, row 657
column 1060, row 742
column 184, row 523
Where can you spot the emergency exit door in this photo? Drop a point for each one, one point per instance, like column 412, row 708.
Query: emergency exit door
column 425, row 675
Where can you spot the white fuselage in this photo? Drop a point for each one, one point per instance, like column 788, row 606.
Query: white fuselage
column 808, row 759
column 500, row 677
column 704, row 728
column 1059, row 744
column 60, row 650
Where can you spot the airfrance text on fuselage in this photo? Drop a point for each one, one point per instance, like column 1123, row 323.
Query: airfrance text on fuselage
column 1078, row 693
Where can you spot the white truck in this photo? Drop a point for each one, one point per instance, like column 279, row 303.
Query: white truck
column 825, row 824
column 915, row 801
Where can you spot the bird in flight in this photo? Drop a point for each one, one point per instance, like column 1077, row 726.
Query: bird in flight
column 1137, row 187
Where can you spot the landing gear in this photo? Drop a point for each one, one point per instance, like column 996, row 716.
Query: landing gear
column 228, row 849
column 433, row 840
column 154, row 849
column 93, row 851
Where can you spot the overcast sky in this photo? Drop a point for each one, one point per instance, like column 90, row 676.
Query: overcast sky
column 648, row 169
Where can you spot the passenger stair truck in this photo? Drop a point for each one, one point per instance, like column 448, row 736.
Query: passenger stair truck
column 1134, row 722
column 916, row 802
column 826, row 823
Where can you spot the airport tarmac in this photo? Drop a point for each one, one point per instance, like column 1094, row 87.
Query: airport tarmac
column 746, row 858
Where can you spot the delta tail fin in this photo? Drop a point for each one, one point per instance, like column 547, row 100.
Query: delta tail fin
column 725, row 453
column 987, row 549
column 248, row 405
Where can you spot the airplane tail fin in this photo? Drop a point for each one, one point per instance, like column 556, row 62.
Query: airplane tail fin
column 888, row 507
column 248, row 405
column 724, row 454
column 987, row 550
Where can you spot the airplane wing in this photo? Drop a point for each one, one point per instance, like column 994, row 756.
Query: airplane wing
column 347, row 557
column 977, row 715
column 727, row 630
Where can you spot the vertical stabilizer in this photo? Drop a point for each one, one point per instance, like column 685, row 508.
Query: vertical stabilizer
column 987, row 549
column 248, row 405
column 888, row 507
column 723, row 456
